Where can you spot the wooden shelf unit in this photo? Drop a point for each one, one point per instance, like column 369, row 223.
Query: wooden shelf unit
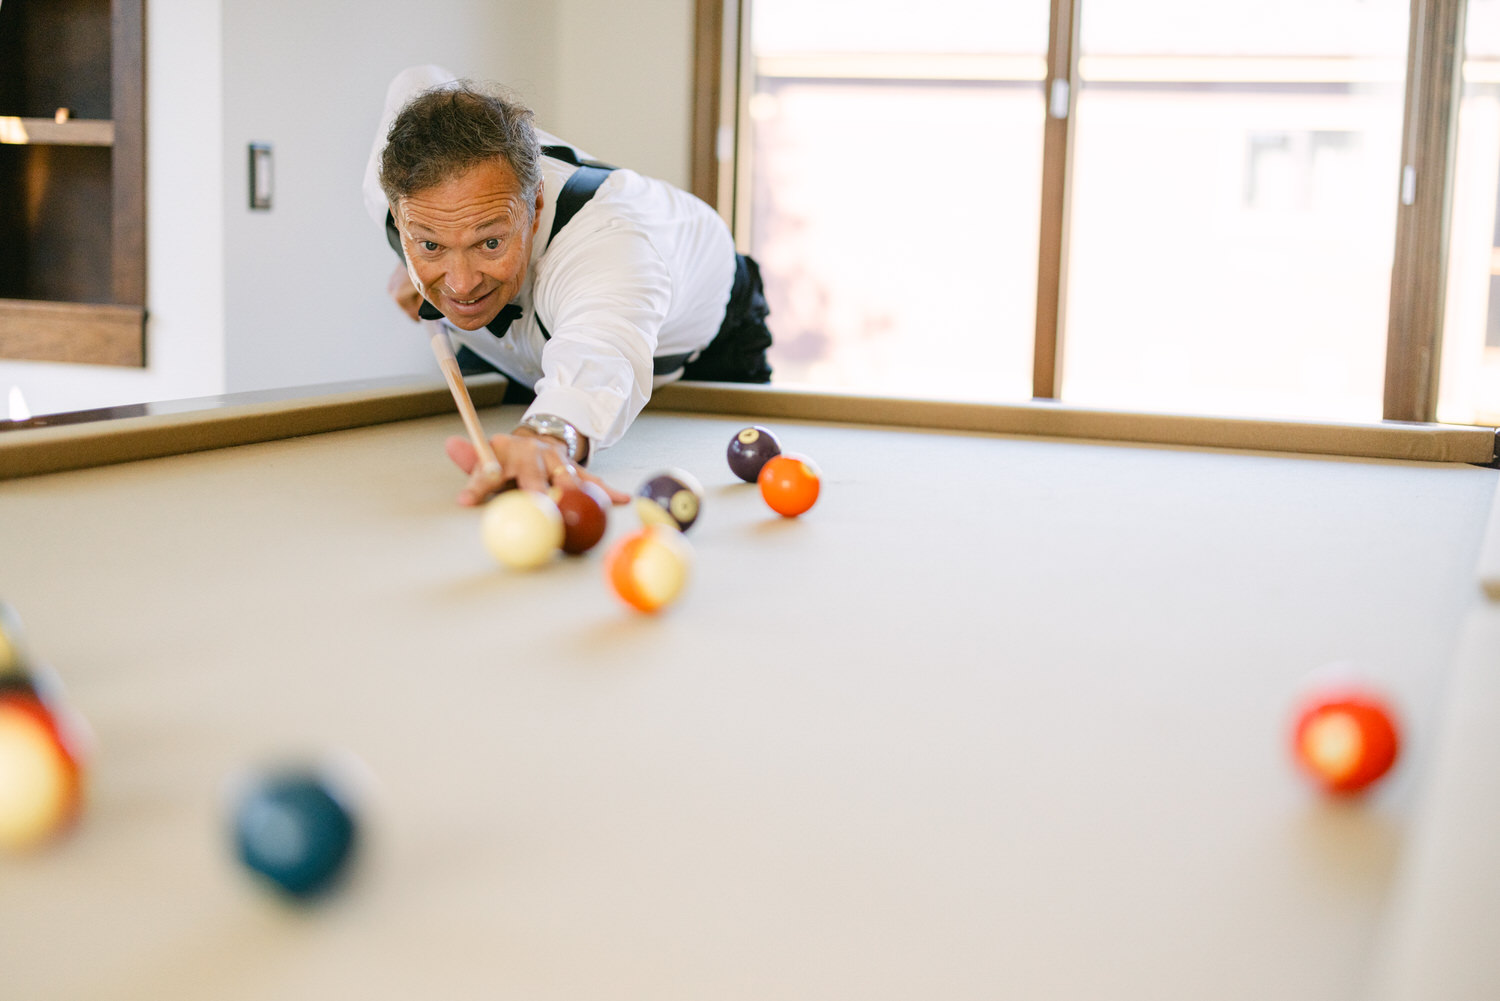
column 72, row 182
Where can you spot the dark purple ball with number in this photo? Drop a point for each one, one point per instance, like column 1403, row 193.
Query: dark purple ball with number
column 750, row 449
column 671, row 498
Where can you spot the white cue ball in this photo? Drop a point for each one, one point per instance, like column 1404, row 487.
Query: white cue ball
column 522, row 529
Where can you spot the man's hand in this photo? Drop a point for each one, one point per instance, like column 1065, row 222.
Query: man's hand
column 404, row 292
column 530, row 461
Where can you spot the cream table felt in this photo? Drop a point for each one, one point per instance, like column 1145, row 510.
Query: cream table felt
column 1489, row 554
column 999, row 717
column 1444, row 920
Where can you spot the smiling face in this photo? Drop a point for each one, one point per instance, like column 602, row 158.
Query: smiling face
column 468, row 241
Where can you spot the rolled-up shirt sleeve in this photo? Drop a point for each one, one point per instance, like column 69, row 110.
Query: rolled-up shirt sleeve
column 604, row 302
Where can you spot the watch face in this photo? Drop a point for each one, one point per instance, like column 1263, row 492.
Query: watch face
column 556, row 427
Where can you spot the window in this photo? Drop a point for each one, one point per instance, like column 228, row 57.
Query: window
column 1142, row 204
column 1471, row 329
column 895, row 175
column 1233, row 213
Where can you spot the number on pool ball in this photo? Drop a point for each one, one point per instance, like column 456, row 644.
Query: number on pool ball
column 649, row 567
column 41, row 783
column 750, row 449
column 1346, row 741
column 585, row 514
column 790, row 484
column 522, row 529
column 671, row 498
column 293, row 830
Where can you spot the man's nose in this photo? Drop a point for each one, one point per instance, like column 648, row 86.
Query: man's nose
column 462, row 278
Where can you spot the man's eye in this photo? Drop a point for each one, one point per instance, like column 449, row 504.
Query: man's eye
column 493, row 243
column 429, row 246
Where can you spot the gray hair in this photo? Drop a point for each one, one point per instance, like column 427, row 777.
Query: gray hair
column 445, row 131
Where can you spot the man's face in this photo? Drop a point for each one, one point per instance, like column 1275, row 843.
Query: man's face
column 468, row 241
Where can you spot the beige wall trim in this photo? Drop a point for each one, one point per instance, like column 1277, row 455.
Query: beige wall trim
column 1421, row 442
column 239, row 419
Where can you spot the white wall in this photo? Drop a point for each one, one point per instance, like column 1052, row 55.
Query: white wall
column 623, row 78
column 184, row 226
column 305, row 290
column 242, row 300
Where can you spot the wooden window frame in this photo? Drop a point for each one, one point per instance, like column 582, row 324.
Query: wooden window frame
column 1423, row 192
column 1419, row 278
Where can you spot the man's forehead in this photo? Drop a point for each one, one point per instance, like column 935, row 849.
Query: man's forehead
column 429, row 217
column 474, row 214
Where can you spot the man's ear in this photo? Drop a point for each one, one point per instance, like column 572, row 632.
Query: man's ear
column 536, row 216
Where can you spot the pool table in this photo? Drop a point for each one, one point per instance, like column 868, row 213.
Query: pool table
column 1005, row 715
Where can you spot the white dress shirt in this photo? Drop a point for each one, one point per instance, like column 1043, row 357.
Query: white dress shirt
column 643, row 270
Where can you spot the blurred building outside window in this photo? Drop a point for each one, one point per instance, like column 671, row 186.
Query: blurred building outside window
column 895, row 192
column 1232, row 209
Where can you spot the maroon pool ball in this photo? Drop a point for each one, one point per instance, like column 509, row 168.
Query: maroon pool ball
column 673, row 498
column 750, row 449
column 585, row 511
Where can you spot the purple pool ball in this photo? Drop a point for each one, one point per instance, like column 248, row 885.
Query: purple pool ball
column 671, row 498
column 750, row 449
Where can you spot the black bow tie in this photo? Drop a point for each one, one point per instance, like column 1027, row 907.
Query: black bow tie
column 498, row 326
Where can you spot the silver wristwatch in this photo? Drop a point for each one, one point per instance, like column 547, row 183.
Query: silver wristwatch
column 555, row 427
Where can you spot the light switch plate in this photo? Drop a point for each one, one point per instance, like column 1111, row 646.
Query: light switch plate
column 260, row 176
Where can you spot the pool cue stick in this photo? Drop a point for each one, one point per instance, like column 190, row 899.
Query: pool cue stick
column 442, row 348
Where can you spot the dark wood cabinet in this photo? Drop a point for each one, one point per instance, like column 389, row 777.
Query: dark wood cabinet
column 72, row 181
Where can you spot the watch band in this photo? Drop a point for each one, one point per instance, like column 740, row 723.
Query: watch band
column 553, row 426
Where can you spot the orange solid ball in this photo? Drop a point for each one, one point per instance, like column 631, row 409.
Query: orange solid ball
column 649, row 567
column 1346, row 741
column 790, row 484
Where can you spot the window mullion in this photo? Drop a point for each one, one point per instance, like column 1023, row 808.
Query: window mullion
column 1425, row 193
column 1060, row 92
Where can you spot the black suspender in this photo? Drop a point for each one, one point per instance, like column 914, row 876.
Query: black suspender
column 569, row 155
column 575, row 195
column 579, row 188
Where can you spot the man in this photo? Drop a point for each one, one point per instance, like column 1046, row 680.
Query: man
column 586, row 284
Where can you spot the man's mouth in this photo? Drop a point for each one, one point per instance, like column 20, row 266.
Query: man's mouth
column 467, row 303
